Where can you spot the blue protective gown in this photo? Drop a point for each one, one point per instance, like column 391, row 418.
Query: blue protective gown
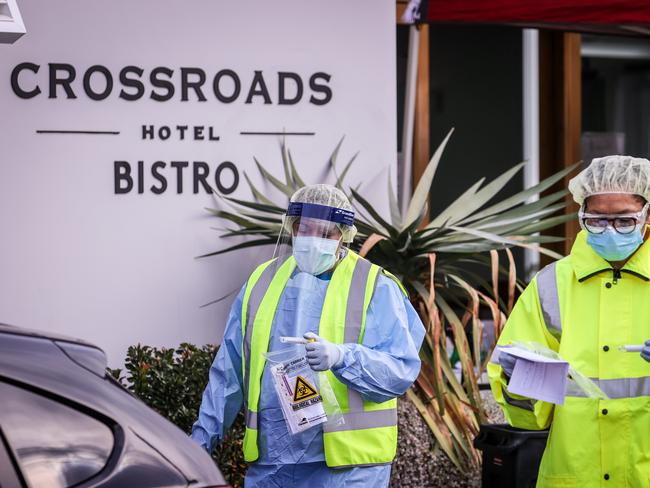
column 382, row 367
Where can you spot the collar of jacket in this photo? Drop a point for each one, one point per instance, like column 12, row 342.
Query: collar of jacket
column 587, row 263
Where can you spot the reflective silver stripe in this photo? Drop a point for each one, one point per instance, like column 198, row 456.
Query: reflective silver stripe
column 525, row 404
column 354, row 319
column 251, row 419
column 254, row 301
column 616, row 388
column 356, row 296
column 365, row 420
column 355, row 401
column 549, row 300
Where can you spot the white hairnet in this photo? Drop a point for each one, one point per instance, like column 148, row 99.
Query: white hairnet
column 612, row 174
column 329, row 196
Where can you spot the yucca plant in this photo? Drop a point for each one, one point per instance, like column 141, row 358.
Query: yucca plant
column 439, row 263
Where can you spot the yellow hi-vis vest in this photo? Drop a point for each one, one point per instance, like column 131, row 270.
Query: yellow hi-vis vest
column 369, row 434
column 580, row 307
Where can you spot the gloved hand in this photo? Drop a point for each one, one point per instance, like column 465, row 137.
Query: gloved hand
column 321, row 354
column 645, row 352
column 507, row 363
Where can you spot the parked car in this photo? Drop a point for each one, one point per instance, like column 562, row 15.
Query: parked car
column 65, row 422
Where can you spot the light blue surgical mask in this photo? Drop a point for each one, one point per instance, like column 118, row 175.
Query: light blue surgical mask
column 612, row 246
column 315, row 255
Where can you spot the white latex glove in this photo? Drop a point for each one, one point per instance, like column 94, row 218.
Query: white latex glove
column 321, row 354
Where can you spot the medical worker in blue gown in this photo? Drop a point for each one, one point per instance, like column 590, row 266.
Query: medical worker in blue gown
column 381, row 368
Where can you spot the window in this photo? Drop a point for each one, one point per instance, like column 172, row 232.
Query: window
column 56, row 445
column 615, row 96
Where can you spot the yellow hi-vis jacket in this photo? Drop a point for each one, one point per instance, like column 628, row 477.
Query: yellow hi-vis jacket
column 580, row 307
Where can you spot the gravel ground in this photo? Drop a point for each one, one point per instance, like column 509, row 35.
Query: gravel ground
column 494, row 412
column 419, row 463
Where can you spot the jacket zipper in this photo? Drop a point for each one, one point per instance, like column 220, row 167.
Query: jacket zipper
column 617, row 275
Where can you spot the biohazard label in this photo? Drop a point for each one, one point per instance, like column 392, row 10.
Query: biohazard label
column 303, row 390
column 307, row 403
column 302, row 404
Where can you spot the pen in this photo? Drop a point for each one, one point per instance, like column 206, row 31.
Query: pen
column 631, row 348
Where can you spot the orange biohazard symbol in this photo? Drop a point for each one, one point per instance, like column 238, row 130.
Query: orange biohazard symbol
column 303, row 390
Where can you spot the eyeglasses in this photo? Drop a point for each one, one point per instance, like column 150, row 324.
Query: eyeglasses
column 621, row 223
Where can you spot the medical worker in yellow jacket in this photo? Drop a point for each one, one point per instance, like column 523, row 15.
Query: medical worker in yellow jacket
column 365, row 336
column 586, row 306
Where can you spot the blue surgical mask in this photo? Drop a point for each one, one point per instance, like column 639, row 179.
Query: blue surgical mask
column 613, row 246
column 315, row 255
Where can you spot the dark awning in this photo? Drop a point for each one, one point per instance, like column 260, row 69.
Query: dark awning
column 628, row 17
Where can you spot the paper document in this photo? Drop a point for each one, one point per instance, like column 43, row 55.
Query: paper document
column 538, row 377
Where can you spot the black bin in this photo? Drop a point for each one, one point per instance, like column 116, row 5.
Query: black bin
column 511, row 456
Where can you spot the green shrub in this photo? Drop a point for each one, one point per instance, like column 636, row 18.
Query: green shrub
column 171, row 381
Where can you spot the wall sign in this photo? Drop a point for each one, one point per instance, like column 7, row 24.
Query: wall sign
column 118, row 122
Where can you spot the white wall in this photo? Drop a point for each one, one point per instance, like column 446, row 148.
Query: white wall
column 117, row 269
